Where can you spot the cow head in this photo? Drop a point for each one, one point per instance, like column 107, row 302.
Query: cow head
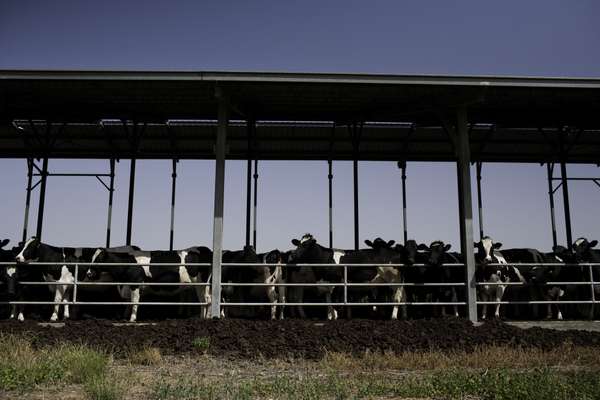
column 581, row 249
column 276, row 257
column 8, row 272
column 563, row 255
column 385, row 252
column 485, row 249
column 408, row 252
column 437, row 249
column 30, row 251
column 93, row 272
column 306, row 248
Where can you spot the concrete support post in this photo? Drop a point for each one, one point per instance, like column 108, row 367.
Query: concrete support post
column 550, row 171
column 219, row 205
column 466, row 211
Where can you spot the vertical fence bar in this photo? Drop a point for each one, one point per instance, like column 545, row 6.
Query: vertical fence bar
column 478, row 166
column 550, row 172
column 330, row 178
column 173, row 189
column 27, row 198
column 593, row 305
column 40, row 219
column 75, row 281
column 130, row 201
column 466, row 210
column 567, row 208
column 111, row 191
column 219, row 203
column 255, row 203
column 345, row 284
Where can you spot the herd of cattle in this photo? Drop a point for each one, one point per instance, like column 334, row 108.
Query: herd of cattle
column 429, row 280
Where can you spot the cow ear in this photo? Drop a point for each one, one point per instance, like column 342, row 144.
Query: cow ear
column 475, row 244
column 497, row 245
column 391, row 243
column 4, row 242
column 593, row 243
column 422, row 246
column 296, row 242
column 447, row 247
column 369, row 243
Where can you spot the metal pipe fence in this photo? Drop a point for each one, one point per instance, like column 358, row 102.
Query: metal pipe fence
column 345, row 284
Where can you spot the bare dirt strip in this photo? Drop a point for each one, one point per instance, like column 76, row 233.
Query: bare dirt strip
column 296, row 338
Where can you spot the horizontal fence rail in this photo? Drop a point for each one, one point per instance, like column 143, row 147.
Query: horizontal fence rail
column 345, row 284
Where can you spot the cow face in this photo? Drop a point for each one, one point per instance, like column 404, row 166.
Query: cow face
column 384, row 251
column 437, row 250
column 485, row 249
column 93, row 272
column 306, row 248
column 562, row 254
column 8, row 273
column 30, row 251
column 408, row 252
column 581, row 249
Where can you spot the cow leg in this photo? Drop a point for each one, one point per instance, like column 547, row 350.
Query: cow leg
column 58, row 298
column 455, row 300
column 499, row 294
column 135, row 299
column 332, row 313
column 272, row 295
column 282, row 300
column 398, row 297
column 484, row 297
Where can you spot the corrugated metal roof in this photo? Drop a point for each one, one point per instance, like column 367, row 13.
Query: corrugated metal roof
column 513, row 118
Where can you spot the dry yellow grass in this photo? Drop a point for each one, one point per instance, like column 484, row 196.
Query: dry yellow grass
column 485, row 357
column 146, row 356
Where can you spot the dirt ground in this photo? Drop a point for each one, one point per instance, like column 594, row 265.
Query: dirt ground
column 251, row 339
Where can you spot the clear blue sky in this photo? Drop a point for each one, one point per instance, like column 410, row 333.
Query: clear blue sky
column 535, row 38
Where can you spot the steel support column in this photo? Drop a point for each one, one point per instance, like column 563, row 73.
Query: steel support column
column 465, row 210
column 402, row 166
column 130, row 202
column 219, row 204
column 27, row 198
column 567, row 208
column 173, row 188
column 330, row 179
column 255, row 203
column 550, row 171
column 356, row 131
column 40, row 219
column 250, row 130
column 111, row 190
column 478, row 166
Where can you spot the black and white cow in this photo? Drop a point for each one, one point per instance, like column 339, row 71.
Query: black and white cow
column 240, row 273
column 383, row 253
column 136, row 268
column 308, row 251
column 8, row 273
column 584, row 252
column 274, row 275
column 62, row 275
column 439, row 273
column 487, row 253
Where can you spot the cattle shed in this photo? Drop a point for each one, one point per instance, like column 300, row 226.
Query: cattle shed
column 256, row 116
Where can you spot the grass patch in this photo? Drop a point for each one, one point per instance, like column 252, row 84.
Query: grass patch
column 23, row 368
column 104, row 387
column 496, row 384
column 146, row 356
column 481, row 358
column 201, row 343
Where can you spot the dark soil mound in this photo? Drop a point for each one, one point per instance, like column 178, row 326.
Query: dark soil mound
column 297, row 338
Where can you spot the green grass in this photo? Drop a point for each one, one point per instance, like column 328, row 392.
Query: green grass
column 201, row 343
column 496, row 384
column 23, row 368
